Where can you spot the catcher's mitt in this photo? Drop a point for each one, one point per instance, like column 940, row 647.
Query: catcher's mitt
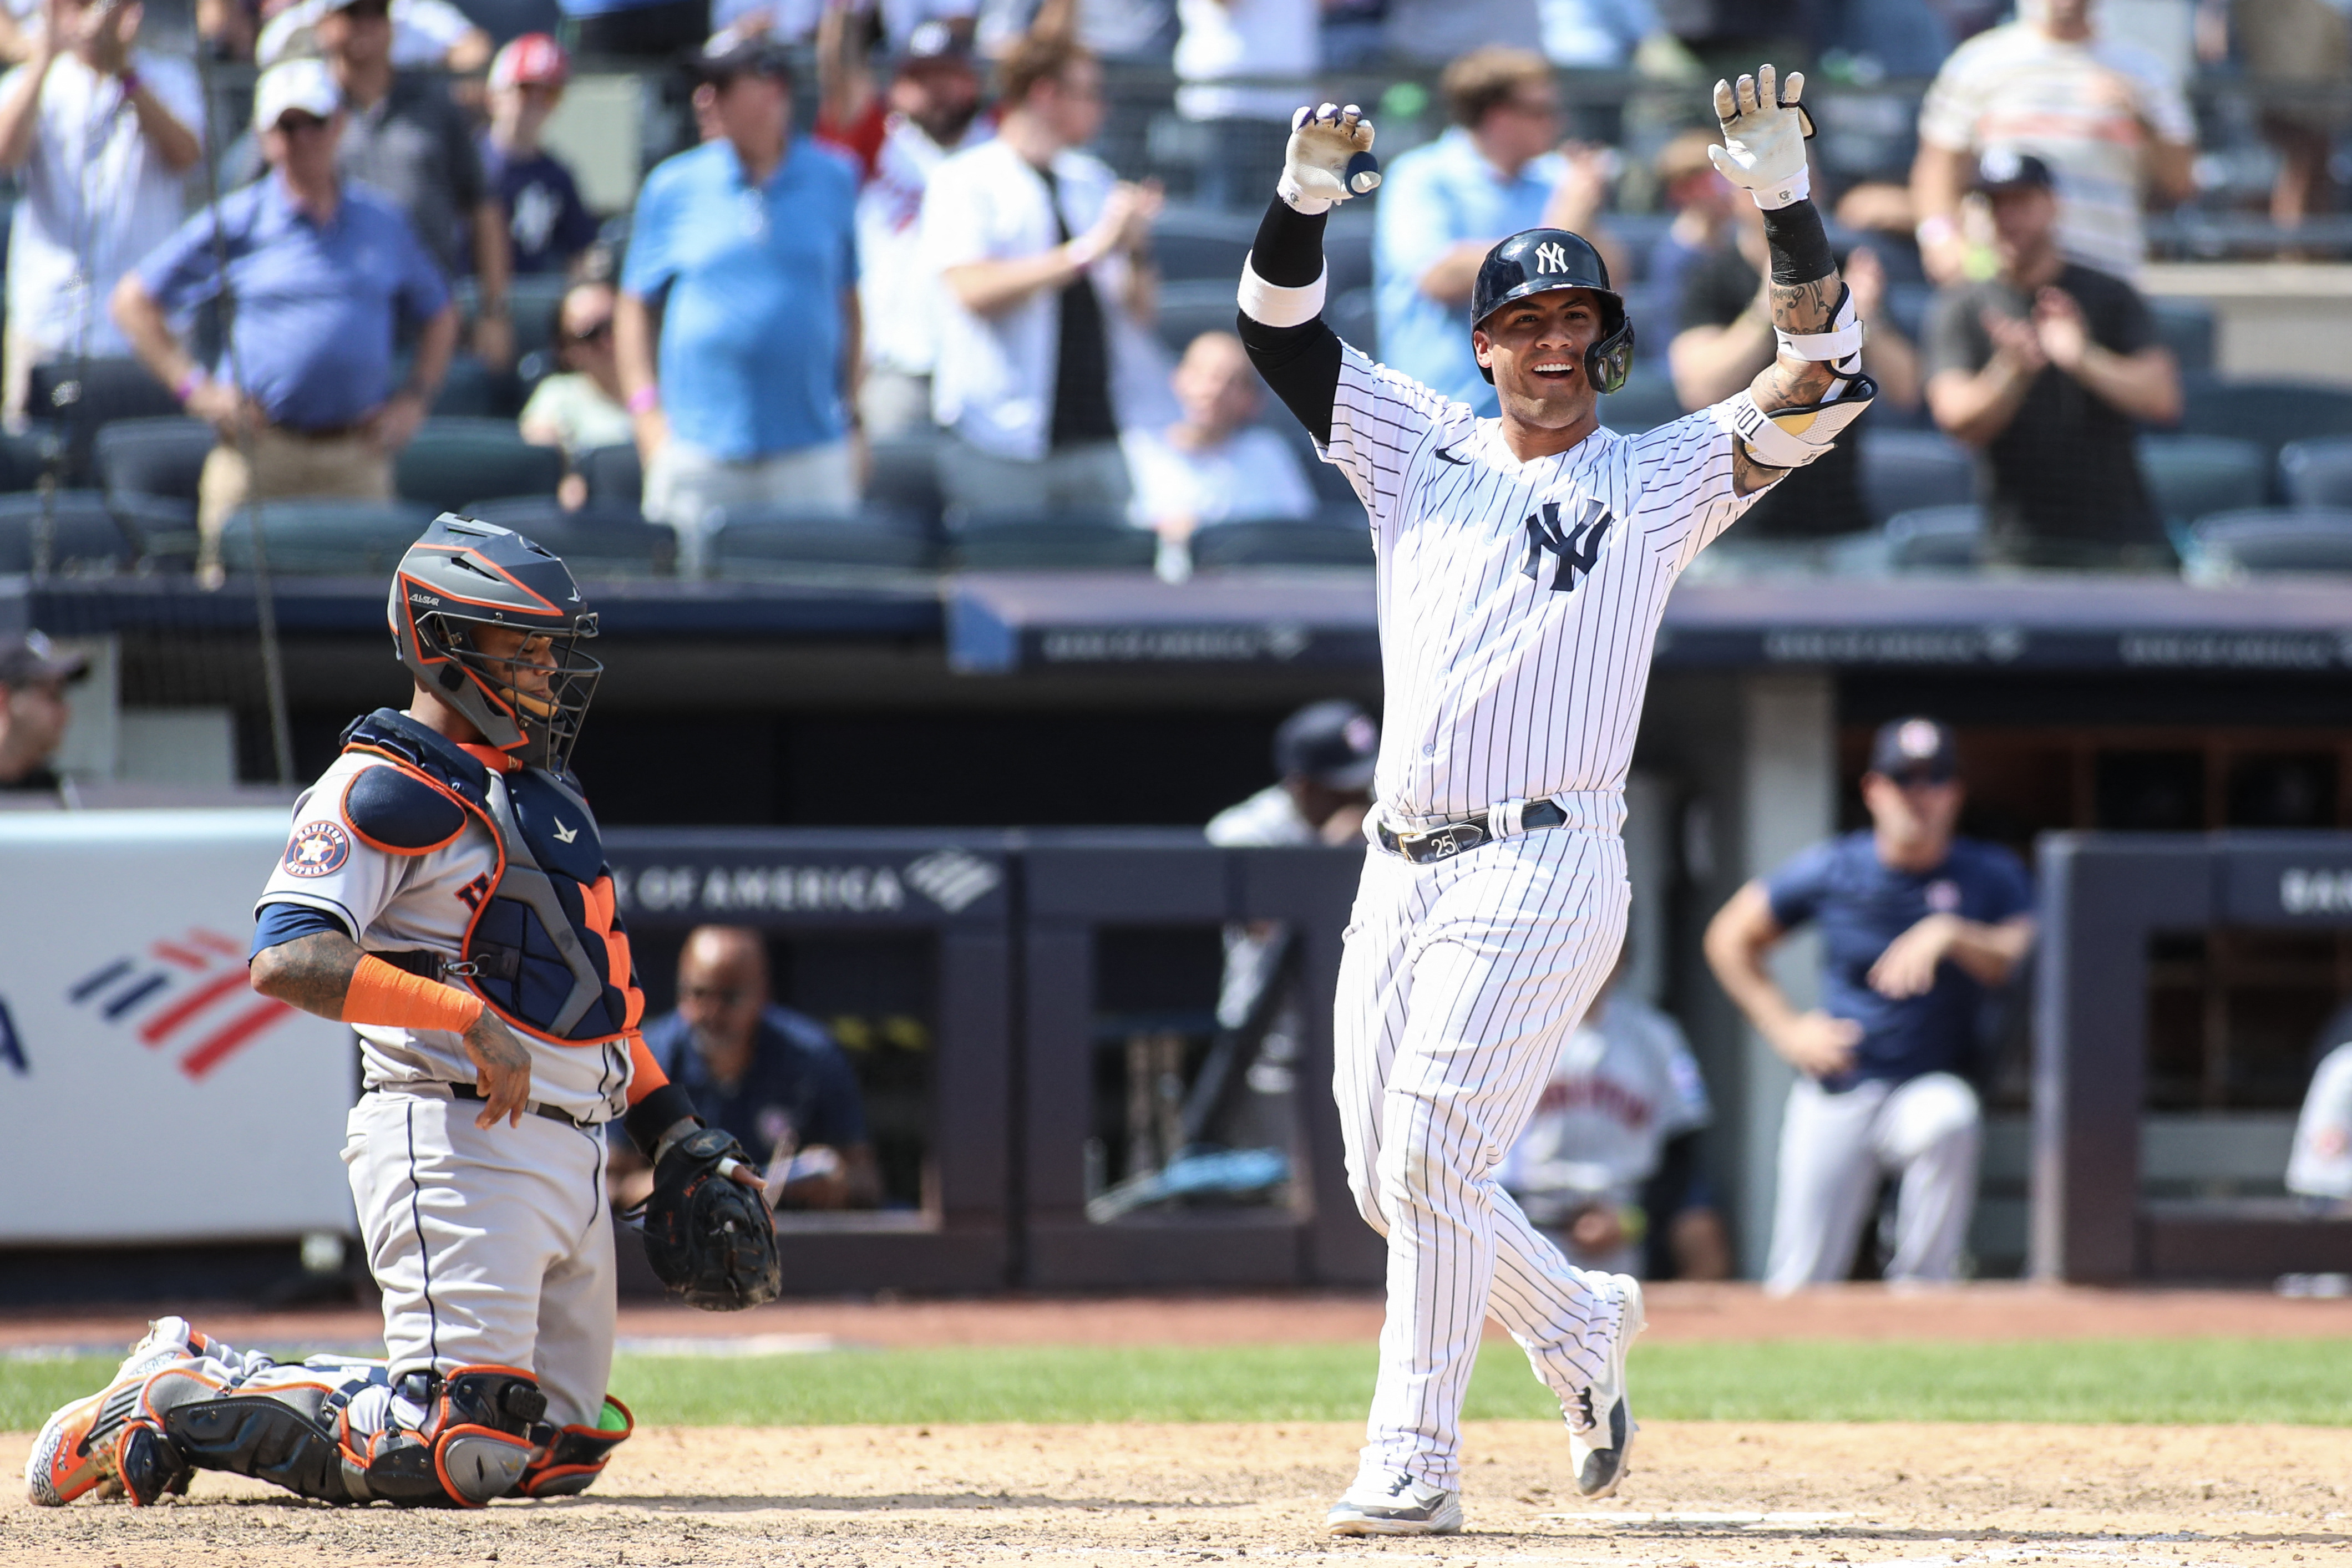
column 710, row 1238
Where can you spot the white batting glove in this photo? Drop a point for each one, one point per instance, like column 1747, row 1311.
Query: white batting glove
column 1764, row 134
column 1328, row 160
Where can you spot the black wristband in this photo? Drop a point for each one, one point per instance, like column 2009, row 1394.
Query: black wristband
column 654, row 1114
column 1801, row 246
column 1288, row 250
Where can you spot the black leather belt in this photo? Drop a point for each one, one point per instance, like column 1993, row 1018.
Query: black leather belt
column 1447, row 839
column 470, row 1091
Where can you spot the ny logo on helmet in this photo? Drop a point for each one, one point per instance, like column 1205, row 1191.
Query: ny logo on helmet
column 1577, row 546
column 1550, row 257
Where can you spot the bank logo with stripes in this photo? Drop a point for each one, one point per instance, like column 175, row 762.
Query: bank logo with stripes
column 185, row 997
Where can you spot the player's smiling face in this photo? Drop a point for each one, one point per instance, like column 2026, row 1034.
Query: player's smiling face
column 1536, row 347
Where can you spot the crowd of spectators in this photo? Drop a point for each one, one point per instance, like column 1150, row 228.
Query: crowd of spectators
column 934, row 252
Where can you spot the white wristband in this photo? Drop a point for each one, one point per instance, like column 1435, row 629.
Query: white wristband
column 1787, row 193
column 1270, row 306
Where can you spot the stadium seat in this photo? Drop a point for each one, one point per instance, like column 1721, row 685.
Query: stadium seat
column 905, row 478
column 1191, row 243
column 78, row 397
column 1906, row 470
column 772, row 537
column 2184, row 327
column 1068, row 540
column 29, row 455
column 2190, row 476
column 452, row 460
column 1647, row 402
column 82, row 535
column 616, row 477
column 595, row 542
column 1934, row 539
column 2317, row 472
column 153, row 457
column 325, row 538
column 473, row 391
column 533, row 301
column 1188, row 308
column 2269, row 412
column 1286, row 542
column 2270, row 540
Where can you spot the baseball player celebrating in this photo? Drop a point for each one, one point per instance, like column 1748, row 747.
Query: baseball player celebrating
column 445, row 893
column 1523, row 564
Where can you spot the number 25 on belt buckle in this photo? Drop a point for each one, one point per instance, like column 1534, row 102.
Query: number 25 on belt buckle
column 1446, row 842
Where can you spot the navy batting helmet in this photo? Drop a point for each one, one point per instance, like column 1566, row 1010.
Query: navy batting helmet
column 1537, row 261
column 462, row 575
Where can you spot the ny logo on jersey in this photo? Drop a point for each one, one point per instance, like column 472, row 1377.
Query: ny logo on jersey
column 1577, row 546
column 1550, row 257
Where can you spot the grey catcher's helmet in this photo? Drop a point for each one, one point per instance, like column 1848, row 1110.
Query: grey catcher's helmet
column 1537, row 261
column 462, row 575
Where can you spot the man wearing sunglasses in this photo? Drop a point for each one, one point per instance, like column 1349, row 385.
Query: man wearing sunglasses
column 320, row 273
column 1917, row 923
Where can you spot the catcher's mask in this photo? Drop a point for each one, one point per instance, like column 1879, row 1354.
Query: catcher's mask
column 462, row 576
column 1537, row 261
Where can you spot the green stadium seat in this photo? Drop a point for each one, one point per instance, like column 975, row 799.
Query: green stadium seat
column 162, row 456
column 1905, row 470
column 325, row 538
column 452, row 460
column 2317, row 472
column 755, row 540
column 2271, row 413
column 2265, row 539
column 595, row 541
column 81, row 533
column 1059, row 541
column 2190, row 476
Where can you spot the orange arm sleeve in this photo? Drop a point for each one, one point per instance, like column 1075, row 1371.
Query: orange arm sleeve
column 380, row 994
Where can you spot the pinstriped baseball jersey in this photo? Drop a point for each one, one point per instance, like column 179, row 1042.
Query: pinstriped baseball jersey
column 1518, row 601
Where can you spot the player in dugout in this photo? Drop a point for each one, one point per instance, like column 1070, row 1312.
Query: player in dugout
column 445, row 893
column 1917, row 924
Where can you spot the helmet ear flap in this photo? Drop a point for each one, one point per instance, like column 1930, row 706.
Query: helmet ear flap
column 1610, row 362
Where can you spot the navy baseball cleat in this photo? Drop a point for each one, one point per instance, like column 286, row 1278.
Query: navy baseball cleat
column 1599, row 1418
column 1395, row 1504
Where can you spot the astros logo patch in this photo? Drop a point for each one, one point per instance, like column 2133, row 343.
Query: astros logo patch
column 317, row 849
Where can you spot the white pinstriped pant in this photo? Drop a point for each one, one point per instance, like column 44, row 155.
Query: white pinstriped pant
column 1459, row 982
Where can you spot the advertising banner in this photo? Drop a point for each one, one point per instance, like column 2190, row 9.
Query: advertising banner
column 146, row 1093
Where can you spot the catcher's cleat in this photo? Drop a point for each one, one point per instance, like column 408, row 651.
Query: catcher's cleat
column 1395, row 1504
column 78, row 1450
column 1600, row 1426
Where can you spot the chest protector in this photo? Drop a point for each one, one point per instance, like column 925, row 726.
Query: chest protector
column 544, row 949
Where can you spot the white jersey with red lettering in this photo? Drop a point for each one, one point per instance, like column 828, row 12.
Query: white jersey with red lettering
column 1624, row 1086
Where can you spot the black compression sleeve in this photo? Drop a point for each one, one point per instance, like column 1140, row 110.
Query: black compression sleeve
column 1801, row 246
column 654, row 1114
column 1288, row 251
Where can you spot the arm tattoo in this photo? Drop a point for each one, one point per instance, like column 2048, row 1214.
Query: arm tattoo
column 313, row 972
column 1800, row 308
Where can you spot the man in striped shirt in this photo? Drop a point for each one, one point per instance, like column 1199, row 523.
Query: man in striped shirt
column 1524, row 562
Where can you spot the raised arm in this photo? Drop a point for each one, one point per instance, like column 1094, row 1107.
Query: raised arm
column 1797, row 405
column 1328, row 160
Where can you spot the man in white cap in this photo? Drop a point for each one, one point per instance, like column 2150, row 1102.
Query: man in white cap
column 320, row 273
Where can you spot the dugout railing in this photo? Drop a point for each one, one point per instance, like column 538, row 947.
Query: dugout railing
column 1077, row 887
column 951, row 894
column 2104, row 899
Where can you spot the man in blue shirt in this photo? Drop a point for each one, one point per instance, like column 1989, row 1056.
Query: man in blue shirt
column 773, row 1077
column 746, row 249
column 1916, row 923
column 1445, row 206
column 321, row 272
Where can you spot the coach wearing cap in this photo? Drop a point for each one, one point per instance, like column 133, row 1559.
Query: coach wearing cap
column 321, row 271
column 34, row 711
column 2049, row 369
column 1916, row 923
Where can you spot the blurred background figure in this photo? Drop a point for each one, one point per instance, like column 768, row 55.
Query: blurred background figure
column 580, row 407
column 1046, row 355
column 34, row 711
column 1500, row 169
column 1426, row 33
column 100, row 133
column 324, row 272
column 2105, row 115
column 2320, row 1166
column 1215, row 465
column 773, row 1077
column 1726, row 338
column 548, row 226
column 1917, row 924
column 742, row 277
column 1136, row 31
column 1246, row 127
column 1597, row 34
column 1703, row 208
column 2297, row 55
column 2049, row 369
column 1608, row 1166
column 427, row 35
column 900, row 134
column 1323, row 760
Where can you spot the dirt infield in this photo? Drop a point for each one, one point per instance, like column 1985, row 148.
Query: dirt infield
column 1702, row 1493
column 1677, row 1313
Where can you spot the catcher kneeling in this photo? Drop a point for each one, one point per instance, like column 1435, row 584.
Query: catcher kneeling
column 445, row 893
